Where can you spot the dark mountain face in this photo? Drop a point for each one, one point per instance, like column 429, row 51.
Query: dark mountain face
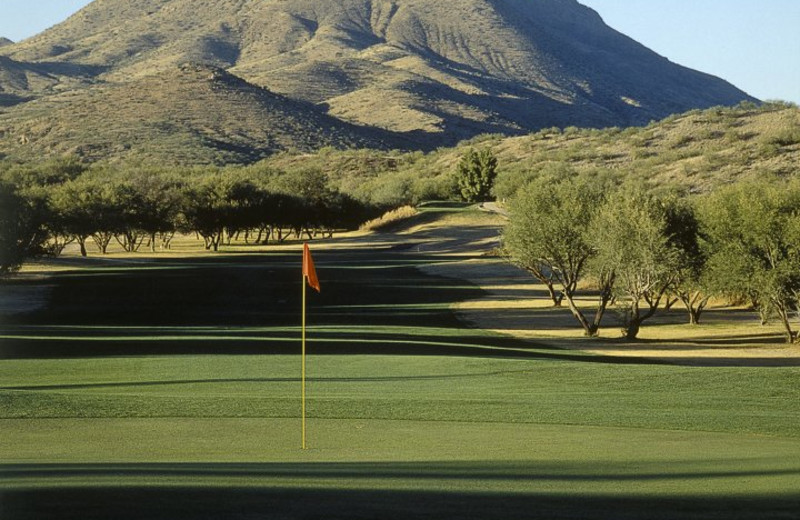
column 429, row 71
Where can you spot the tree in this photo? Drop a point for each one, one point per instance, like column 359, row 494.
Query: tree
column 689, row 285
column 548, row 236
column 206, row 209
column 631, row 235
column 152, row 202
column 475, row 175
column 752, row 234
column 73, row 206
column 22, row 228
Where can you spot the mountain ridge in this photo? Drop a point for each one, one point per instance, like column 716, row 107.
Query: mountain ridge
column 434, row 71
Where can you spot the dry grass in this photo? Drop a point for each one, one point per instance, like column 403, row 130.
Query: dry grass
column 390, row 219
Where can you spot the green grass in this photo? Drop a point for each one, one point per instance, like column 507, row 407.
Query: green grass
column 173, row 391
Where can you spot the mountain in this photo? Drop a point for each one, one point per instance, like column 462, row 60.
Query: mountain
column 435, row 71
column 192, row 114
column 5, row 41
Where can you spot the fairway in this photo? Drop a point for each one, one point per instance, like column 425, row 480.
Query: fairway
column 167, row 386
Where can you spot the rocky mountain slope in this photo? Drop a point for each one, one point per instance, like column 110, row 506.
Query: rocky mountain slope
column 192, row 114
column 436, row 71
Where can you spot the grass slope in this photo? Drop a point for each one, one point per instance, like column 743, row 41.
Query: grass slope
column 167, row 387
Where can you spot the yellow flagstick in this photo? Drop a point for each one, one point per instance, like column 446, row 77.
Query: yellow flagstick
column 303, row 369
column 310, row 276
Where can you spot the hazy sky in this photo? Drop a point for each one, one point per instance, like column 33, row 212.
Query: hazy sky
column 754, row 45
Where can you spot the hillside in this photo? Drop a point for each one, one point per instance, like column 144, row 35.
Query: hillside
column 430, row 69
column 192, row 114
column 697, row 150
column 18, row 81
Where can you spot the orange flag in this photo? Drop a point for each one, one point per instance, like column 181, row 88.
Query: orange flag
column 308, row 269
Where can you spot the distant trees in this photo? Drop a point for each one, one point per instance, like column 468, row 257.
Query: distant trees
column 475, row 175
column 62, row 202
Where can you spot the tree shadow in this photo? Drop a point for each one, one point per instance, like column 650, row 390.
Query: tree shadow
column 435, row 490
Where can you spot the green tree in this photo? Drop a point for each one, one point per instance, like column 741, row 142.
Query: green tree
column 752, row 234
column 475, row 175
column 689, row 285
column 207, row 209
column 631, row 235
column 73, row 205
column 548, row 236
column 22, row 228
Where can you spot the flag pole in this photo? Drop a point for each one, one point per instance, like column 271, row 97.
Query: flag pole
column 303, row 371
column 310, row 276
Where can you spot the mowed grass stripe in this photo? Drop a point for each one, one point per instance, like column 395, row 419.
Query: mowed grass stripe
column 486, row 389
column 394, row 469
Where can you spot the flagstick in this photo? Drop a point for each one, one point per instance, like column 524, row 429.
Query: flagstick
column 303, row 370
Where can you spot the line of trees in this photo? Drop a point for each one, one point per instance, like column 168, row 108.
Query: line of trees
column 646, row 250
column 45, row 209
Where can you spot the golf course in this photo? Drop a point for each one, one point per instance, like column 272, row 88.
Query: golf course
column 440, row 385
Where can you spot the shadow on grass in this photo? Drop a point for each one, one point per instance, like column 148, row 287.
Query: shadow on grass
column 369, row 491
column 58, row 343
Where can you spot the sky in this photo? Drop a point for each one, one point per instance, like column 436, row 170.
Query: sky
column 753, row 44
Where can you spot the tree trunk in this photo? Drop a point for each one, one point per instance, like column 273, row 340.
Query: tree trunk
column 557, row 297
column 670, row 302
column 635, row 317
column 791, row 335
column 695, row 305
column 633, row 328
column 82, row 243
column 606, row 297
column 548, row 282
column 589, row 329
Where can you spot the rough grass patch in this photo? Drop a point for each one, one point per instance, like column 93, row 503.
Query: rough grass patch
column 389, row 218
